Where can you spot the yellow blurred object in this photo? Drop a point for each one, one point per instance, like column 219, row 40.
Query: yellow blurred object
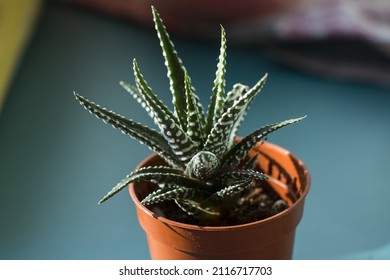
column 16, row 22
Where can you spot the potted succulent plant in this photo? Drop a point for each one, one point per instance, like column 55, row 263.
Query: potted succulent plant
column 205, row 193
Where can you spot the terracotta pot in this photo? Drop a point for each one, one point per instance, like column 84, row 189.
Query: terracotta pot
column 271, row 238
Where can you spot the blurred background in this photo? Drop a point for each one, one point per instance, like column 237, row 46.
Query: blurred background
column 327, row 59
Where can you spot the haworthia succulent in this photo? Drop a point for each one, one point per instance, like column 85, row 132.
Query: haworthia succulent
column 206, row 169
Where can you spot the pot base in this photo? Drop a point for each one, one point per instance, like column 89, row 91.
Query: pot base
column 280, row 250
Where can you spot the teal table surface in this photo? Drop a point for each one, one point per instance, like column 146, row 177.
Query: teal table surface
column 57, row 161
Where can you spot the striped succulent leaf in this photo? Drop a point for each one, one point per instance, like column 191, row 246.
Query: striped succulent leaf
column 235, row 155
column 133, row 90
column 179, row 141
column 173, row 192
column 228, row 192
column 148, row 99
column 233, row 95
column 239, row 175
column 154, row 174
column 216, row 102
column 194, row 209
column 217, row 141
column 194, row 116
column 175, row 69
column 237, row 91
column 154, row 140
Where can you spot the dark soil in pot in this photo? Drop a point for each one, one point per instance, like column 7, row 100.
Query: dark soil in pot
column 259, row 201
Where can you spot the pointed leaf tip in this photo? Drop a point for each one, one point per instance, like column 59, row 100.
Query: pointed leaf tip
column 76, row 95
column 153, row 9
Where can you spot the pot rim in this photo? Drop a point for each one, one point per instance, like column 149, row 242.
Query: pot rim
column 265, row 221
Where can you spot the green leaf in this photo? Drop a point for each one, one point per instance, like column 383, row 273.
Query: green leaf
column 228, row 192
column 181, row 144
column 233, row 95
column 194, row 117
column 138, row 96
column 154, row 174
column 229, row 178
column 146, row 96
column 175, row 70
column 194, row 209
column 251, row 163
column 172, row 192
column 154, row 140
column 238, row 152
column 216, row 101
column 218, row 139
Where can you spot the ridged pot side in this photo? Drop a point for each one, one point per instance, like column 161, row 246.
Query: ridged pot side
column 271, row 238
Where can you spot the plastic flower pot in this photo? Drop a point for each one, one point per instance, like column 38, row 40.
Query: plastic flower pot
column 270, row 238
